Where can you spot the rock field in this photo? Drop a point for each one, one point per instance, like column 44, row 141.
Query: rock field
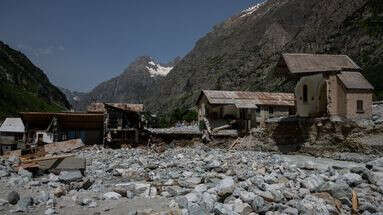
column 196, row 180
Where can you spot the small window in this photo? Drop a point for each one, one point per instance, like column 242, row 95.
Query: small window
column 359, row 106
column 271, row 110
column 305, row 95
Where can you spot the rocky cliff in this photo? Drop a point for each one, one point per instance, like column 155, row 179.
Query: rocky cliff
column 24, row 87
column 241, row 53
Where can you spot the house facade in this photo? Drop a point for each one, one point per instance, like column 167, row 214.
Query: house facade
column 328, row 86
column 243, row 110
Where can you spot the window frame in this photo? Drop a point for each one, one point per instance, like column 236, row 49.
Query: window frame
column 359, row 106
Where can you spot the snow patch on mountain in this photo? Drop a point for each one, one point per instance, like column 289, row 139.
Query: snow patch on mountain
column 251, row 9
column 158, row 70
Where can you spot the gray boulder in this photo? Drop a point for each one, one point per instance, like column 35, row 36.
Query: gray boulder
column 70, row 176
column 375, row 164
column 312, row 205
column 225, row 186
column 223, row 209
column 209, row 201
column 340, row 191
column 4, row 173
column 190, row 182
column 258, row 204
column 13, row 197
column 111, row 196
column 3, row 202
column 193, row 197
column 50, row 211
column 196, row 209
column 201, row 188
column 291, row 211
column 24, row 173
column 351, row 179
column 182, row 202
column 365, row 173
column 24, row 203
column 242, row 208
column 247, row 197
column 43, row 197
column 313, row 182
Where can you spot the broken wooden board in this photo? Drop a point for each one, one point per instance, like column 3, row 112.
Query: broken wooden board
column 221, row 128
column 56, row 163
column 62, row 164
column 64, row 146
column 355, row 203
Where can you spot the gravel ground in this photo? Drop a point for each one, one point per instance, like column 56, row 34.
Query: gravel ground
column 195, row 180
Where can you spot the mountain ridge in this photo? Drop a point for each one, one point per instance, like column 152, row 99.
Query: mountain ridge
column 25, row 87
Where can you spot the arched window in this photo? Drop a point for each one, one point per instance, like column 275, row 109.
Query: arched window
column 305, row 97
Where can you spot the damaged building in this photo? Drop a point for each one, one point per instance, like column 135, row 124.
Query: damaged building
column 108, row 123
column 328, row 86
column 123, row 123
column 48, row 127
column 243, row 110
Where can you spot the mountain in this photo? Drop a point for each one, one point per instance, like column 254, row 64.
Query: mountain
column 241, row 53
column 136, row 83
column 24, row 87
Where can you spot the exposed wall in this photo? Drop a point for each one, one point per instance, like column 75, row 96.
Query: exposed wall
column 314, row 85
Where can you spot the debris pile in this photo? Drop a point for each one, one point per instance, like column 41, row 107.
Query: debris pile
column 196, row 180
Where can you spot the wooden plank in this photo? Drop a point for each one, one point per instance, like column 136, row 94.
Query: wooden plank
column 355, row 205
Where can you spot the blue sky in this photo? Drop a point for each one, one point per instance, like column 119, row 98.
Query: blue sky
column 80, row 43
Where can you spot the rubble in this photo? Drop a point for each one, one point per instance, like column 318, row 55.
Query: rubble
column 199, row 180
